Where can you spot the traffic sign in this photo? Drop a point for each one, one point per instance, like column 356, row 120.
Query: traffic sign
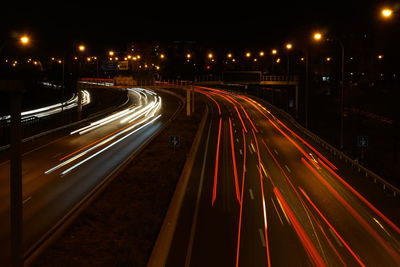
column 123, row 65
column 362, row 141
column 109, row 65
column 174, row 140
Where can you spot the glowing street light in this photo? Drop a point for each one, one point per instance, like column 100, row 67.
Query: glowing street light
column 188, row 55
column 24, row 40
column 317, row 36
column 248, row 54
column 229, row 55
column 386, row 13
column 289, row 46
column 380, row 56
column 81, row 48
column 261, row 53
column 274, row 52
column 111, row 53
column 210, row 55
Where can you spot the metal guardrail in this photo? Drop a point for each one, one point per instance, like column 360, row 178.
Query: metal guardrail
column 280, row 78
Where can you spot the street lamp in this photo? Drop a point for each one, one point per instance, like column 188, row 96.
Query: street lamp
column 386, row 13
column 318, row 37
column 24, row 39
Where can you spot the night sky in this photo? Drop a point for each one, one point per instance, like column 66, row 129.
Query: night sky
column 113, row 23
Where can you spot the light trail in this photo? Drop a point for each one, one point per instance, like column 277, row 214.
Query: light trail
column 214, row 194
column 301, row 233
column 332, row 228
column 394, row 254
column 235, row 174
column 56, row 108
column 138, row 118
column 109, row 146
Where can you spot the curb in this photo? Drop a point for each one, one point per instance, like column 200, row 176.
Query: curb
column 162, row 245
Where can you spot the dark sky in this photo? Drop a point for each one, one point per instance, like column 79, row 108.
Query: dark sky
column 117, row 23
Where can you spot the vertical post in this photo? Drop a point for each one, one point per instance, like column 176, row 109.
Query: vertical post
column 79, row 91
column 188, row 102
column 306, row 89
column 192, row 91
column 16, row 175
column 342, row 98
column 297, row 100
column 63, row 85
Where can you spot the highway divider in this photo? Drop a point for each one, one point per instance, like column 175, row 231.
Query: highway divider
column 159, row 254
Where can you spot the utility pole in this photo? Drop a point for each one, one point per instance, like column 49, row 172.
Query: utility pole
column 15, row 90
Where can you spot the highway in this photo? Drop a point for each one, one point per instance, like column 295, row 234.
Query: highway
column 261, row 195
column 59, row 175
column 53, row 109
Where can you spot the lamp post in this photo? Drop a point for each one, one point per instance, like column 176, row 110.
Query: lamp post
column 318, row 37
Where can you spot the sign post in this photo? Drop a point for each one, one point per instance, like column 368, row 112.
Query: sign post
column 174, row 141
column 362, row 142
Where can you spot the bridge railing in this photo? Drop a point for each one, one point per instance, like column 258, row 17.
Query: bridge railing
column 279, row 78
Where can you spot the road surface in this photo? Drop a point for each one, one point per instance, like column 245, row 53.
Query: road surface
column 58, row 175
column 261, row 195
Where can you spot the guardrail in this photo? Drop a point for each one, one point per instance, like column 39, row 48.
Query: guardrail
column 280, row 78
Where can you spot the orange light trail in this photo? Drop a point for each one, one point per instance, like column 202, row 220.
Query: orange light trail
column 96, row 141
column 241, row 200
column 235, row 175
column 332, row 228
column 354, row 213
column 219, row 108
column 366, row 202
column 214, row 195
column 305, row 240
column 263, row 201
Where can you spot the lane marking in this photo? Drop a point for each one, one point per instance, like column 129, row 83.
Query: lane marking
column 237, row 140
column 251, row 194
column 335, row 237
column 26, row 199
column 261, row 231
column 276, row 152
column 196, row 211
column 240, row 151
column 279, row 216
column 287, row 168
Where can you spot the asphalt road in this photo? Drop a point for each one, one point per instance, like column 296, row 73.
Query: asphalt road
column 58, row 175
column 260, row 195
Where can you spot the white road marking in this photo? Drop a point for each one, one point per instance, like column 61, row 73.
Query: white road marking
column 196, row 211
column 240, row 151
column 276, row 152
column 237, row 140
column 26, row 200
column 273, row 202
column 335, row 237
column 251, row 194
column 262, row 236
column 287, row 168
